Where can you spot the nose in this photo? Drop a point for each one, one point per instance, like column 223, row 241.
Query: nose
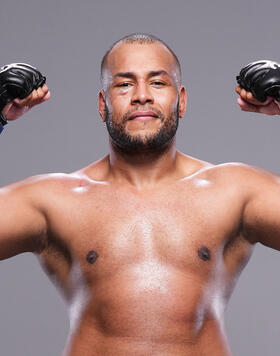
column 142, row 95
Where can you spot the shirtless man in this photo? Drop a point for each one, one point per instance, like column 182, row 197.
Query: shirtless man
column 147, row 243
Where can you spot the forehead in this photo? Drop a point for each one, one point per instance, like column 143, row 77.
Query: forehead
column 135, row 57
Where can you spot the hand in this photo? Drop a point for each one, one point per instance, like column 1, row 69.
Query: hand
column 16, row 108
column 247, row 102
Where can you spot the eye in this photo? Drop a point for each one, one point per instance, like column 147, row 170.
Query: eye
column 158, row 83
column 123, row 85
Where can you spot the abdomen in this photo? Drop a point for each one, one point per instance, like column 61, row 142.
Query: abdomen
column 152, row 301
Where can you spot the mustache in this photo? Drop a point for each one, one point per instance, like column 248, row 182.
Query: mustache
column 142, row 108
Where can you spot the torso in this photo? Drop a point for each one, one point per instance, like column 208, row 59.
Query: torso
column 146, row 272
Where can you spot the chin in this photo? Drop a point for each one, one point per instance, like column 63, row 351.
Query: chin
column 143, row 139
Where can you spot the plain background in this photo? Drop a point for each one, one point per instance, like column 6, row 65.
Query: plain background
column 66, row 40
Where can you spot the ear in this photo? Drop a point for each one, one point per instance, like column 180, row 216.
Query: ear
column 102, row 105
column 183, row 98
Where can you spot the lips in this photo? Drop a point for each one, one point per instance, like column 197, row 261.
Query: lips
column 143, row 114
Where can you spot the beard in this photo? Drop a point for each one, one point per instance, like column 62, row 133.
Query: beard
column 137, row 144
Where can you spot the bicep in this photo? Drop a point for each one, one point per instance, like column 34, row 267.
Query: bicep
column 22, row 224
column 262, row 210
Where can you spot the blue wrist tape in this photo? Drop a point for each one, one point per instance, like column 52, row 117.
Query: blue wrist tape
column 3, row 122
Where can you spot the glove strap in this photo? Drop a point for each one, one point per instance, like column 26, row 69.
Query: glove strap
column 3, row 122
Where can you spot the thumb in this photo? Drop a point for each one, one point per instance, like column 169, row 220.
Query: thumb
column 277, row 103
column 268, row 101
column 6, row 108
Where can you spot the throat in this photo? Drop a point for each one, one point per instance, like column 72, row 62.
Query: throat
column 143, row 169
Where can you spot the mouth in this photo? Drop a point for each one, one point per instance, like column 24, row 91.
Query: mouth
column 143, row 115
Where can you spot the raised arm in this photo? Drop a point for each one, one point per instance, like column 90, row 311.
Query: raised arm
column 259, row 92
column 22, row 220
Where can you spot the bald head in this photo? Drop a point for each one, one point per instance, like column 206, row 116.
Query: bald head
column 139, row 39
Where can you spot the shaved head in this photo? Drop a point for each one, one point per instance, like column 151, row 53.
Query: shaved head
column 137, row 38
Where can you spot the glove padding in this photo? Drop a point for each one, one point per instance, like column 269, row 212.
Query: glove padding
column 18, row 80
column 262, row 79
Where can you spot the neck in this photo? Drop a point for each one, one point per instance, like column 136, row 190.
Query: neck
column 143, row 169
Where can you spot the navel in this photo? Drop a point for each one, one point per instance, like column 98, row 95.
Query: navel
column 92, row 256
column 204, row 253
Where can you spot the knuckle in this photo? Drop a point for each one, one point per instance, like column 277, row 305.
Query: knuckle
column 35, row 95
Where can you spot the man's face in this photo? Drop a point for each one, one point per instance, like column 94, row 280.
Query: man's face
column 143, row 99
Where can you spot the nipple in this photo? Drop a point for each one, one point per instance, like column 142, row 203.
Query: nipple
column 204, row 253
column 92, row 256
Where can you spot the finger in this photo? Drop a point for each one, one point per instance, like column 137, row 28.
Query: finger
column 250, row 96
column 23, row 102
column 45, row 88
column 247, row 96
column 238, row 89
column 245, row 106
column 32, row 99
column 45, row 97
column 243, row 94
column 251, row 99
column 36, row 97
column 40, row 93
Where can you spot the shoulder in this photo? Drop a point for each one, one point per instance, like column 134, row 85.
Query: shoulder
column 41, row 181
column 39, row 188
column 242, row 170
column 234, row 173
column 241, row 176
column 90, row 175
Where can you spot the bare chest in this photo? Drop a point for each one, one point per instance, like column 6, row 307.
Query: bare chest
column 107, row 230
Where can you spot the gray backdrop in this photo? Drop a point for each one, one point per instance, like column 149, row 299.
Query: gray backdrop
column 66, row 39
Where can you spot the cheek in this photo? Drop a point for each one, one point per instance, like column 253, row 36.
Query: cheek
column 118, row 106
column 120, row 101
column 168, row 104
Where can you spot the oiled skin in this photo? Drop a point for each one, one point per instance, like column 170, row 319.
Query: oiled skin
column 148, row 292
column 145, row 245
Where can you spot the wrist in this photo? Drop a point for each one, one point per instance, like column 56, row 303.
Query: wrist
column 3, row 122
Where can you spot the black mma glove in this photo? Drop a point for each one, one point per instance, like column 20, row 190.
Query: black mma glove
column 262, row 79
column 17, row 80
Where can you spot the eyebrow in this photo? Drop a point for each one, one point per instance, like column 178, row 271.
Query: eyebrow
column 132, row 75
